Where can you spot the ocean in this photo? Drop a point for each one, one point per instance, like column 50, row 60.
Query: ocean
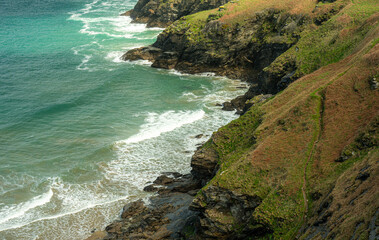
column 82, row 132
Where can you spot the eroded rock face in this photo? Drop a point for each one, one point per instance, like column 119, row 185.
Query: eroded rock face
column 143, row 53
column 234, row 51
column 225, row 214
column 157, row 13
column 164, row 216
column 204, row 164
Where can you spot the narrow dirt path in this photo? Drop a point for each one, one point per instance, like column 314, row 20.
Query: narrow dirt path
column 303, row 188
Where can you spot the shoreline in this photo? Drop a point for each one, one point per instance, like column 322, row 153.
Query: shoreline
column 245, row 180
column 173, row 195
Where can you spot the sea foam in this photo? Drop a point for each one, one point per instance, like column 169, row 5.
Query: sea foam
column 156, row 124
column 15, row 211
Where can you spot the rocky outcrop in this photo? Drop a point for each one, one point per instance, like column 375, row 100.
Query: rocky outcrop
column 225, row 214
column 149, row 53
column 243, row 103
column 237, row 51
column 204, row 164
column 157, row 13
column 163, row 217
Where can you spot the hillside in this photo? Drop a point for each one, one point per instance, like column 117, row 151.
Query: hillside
column 303, row 163
column 163, row 13
column 307, row 157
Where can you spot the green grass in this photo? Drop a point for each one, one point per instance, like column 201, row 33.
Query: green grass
column 332, row 41
column 264, row 152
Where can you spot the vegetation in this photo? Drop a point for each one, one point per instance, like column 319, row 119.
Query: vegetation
column 299, row 151
column 294, row 140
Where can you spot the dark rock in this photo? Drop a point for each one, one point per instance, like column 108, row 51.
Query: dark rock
column 285, row 81
column 150, row 188
column 143, row 53
column 133, row 208
column 166, row 60
column 220, row 209
column 227, row 106
column 163, row 180
column 204, row 163
column 163, row 218
column 363, row 176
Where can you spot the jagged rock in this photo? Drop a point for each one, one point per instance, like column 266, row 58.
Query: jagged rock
column 285, row 81
column 203, row 164
column 163, row 180
column 162, row 218
column 227, row 106
column 143, row 53
column 133, row 208
column 166, row 60
column 183, row 184
column 178, row 183
column 221, row 210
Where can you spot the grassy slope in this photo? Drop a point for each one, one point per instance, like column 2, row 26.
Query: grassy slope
column 318, row 46
column 266, row 151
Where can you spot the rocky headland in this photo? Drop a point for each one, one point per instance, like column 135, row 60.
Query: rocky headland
column 157, row 13
column 301, row 162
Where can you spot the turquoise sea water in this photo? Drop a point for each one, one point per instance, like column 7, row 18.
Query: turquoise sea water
column 81, row 132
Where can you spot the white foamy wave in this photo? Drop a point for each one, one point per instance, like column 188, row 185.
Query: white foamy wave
column 83, row 63
column 62, row 200
column 140, row 62
column 115, row 56
column 116, row 26
column 15, row 211
column 156, row 124
column 178, row 73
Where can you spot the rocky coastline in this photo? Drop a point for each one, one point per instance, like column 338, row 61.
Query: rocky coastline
column 301, row 160
column 163, row 13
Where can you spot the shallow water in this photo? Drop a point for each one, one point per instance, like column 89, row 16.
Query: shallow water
column 81, row 132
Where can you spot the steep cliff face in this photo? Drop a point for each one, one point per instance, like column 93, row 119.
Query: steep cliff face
column 156, row 13
column 203, row 43
column 267, row 43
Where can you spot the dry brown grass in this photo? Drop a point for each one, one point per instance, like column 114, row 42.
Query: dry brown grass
column 313, row 119
column 244, row 9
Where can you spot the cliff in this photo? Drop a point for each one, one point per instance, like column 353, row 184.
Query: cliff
column 163, row 13
column 300, row 164
column 267, row 43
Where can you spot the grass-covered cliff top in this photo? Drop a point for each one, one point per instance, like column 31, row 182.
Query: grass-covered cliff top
column 291, row 145
column 330, row 32
column 288, row 150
